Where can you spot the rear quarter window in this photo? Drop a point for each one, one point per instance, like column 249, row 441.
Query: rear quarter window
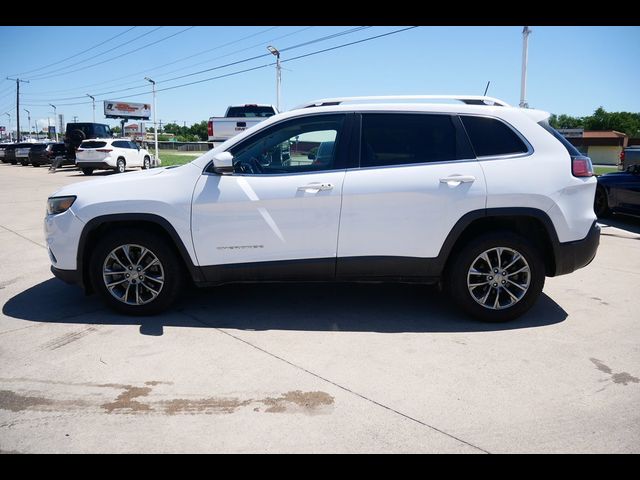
column 491, row 137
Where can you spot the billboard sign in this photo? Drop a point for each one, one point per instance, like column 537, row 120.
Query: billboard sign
column 115, row 109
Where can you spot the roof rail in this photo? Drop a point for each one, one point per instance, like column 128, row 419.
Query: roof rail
column 468, row 99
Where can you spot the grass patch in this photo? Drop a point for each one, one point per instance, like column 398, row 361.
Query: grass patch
column 603, row 170
column 171, row 157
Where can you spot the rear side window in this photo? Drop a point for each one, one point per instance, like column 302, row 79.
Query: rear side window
column 93, row 144
column 120, row 144
column 400, row 139
column 573, row 151
column 491, row 137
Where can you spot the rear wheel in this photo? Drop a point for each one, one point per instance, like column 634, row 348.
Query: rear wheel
column 600, row 203
column 24, row 163
column 35, row 164
column 87, row 171
column 121, row 165
column 496, row 277
column 136, row 272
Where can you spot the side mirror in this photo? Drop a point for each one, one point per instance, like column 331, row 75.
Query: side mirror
column 223, row 163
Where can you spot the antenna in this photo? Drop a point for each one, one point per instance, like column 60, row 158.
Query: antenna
column 486, row 89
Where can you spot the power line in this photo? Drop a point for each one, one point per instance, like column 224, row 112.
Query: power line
column 238, row 72
column 166, row 64
column 49, row 74
column 218, row 67
column 77, row 54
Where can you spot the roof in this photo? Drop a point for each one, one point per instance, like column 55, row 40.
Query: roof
column 603, row 134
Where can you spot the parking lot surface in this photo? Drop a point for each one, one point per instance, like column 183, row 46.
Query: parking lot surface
column 309, row 367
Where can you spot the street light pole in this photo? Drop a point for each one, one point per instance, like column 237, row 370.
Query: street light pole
column 276, row 52
column 525, row 58
column 55, row 118
column 9, row 115
column 28, row 120
column 94, row 106
column 155, row 125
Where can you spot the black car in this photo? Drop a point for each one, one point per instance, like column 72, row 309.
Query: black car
column 44, row 153
column 76, row 133
column 618, row 192
column 10, row 154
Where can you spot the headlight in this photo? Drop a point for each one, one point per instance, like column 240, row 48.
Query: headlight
column 57, row 205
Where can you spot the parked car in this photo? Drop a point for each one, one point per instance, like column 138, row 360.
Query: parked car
column 76, row 133
column 22, row 153
column 45, row 153
column 2, row 147
column 111, row 154
column 629, row 156
column 618, row 192
column 484, row 198
column 237, row 119
column 10, row 154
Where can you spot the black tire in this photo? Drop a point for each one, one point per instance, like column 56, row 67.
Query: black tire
column 121, row 165
column 146, row 163
column 87, row 171
column 600, row 203
column 23, row 163
column 35, row 165
column 173, row 271
column 14, row 162
column 456, row 276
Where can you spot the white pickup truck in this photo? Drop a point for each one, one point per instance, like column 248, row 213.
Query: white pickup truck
column 237, row 119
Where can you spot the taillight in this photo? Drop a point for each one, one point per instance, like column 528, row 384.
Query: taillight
column 104, row 150
column 210, row 128
column 622, row 156
column 581, row 167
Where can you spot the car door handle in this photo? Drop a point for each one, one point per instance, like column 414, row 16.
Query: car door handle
column 315, row 187
column 456, row 180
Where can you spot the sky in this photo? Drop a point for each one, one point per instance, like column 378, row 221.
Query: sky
column 571, row 70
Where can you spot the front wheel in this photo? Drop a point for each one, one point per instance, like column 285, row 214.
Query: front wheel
column 136, row 272
column 496, row 277
column 146, row 165
column 87, row 171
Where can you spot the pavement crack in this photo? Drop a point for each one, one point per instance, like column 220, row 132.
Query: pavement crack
column 22, row 236
column 341, row 387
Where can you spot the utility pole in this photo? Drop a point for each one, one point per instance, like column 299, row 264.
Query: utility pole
column 55, row 118
column 525, row 57
column 18, row 102
column 276, row 52
column 93, row 99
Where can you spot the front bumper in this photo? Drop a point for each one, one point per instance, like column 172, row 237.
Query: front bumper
column 571, row 256
column 67, row 276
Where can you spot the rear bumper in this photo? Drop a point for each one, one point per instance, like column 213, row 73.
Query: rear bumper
column 99, row 165
column 571, row 256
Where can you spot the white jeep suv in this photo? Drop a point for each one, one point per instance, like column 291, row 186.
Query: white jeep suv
column 484, row 198
column 111, row 154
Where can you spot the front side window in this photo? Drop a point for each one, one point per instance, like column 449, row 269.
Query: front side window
column 491, row 137
column 406, row 138
column 300, row 145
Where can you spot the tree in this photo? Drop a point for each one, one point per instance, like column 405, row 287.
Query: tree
column 200, row 130
column 117, row 130
column 625, row 122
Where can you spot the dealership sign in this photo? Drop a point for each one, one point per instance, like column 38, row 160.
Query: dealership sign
column 115, row 109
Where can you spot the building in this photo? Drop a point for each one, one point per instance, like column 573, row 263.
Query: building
column 603, row 147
